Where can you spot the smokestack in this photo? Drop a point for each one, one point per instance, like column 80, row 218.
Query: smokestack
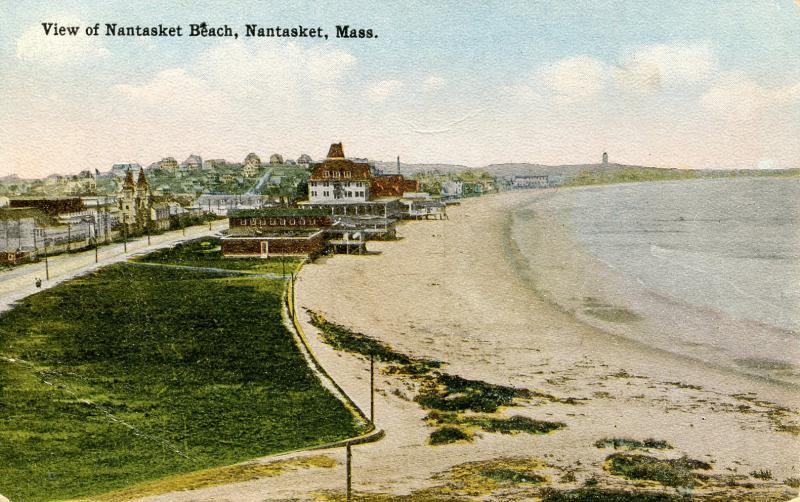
column 398, row 164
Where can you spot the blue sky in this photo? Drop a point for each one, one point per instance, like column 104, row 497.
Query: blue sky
column 674, row 84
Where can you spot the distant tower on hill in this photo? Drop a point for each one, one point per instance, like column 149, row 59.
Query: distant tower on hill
column 398, row 164
column 605, row 158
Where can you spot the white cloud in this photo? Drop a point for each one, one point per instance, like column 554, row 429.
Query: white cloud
column 33, row 45
column 740, row 98
column 173, row 85
column 654, row 67
column 253, row 69
column 433, row 82
column 383, row 89
column 575, row 78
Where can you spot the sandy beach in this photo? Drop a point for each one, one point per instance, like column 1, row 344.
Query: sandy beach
column 451, row 290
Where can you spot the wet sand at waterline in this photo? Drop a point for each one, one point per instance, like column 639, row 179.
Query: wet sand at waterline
column 452, row 290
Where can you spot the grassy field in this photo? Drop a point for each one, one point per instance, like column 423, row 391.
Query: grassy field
column 207, row 253
column 135, row 373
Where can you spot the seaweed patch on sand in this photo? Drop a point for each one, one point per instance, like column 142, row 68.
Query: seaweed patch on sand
column 458, row 406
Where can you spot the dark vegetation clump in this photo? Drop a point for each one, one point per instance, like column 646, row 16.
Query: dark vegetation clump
column 446, row 435
column 762, row 474
column 493, row 423
column 629, row 443
column 513, row 476
column 593, row 494
column 514, row 424
column 341, row 338
column 670, row 472
column 453, row 393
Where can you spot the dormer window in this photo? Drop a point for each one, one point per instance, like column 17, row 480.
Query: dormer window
column 326, row 174
column 347, row 174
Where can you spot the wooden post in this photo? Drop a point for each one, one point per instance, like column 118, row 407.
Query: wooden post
column 46, row 264
column 349, row 473
column 372, row 388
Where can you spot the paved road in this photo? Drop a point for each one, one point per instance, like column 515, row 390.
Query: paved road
column 19, row 282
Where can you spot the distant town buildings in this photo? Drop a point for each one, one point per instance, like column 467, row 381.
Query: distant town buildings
column 533, row 181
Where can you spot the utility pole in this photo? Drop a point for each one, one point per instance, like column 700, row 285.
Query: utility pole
column 69, row 234
column 372, row 388
column 125, row 233
column 94, row 234
column 349, row 473
column 148, row 232
column 46, row 264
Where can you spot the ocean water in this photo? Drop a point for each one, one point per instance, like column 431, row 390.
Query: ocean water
column 709, row 269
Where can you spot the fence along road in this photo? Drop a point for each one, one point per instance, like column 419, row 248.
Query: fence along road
column 19, row 282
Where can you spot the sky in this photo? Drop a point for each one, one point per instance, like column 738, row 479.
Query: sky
column 702, row 84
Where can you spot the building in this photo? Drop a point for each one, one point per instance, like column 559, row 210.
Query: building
column 338, row 180
column 119, row 170
column 420, row 205
column 392, row 185
column 471, row 189
column 276, row 232
column 276, row 159
column 531, row 181
column 451, row 189
column 192, row 162
column 168, row 163
column 251, row 165
column 222, row 204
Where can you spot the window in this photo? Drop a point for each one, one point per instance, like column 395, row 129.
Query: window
column 347, row 174
column 326, row 174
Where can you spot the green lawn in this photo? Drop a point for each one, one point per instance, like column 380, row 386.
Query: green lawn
column 134, row 373
column 207, row 253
